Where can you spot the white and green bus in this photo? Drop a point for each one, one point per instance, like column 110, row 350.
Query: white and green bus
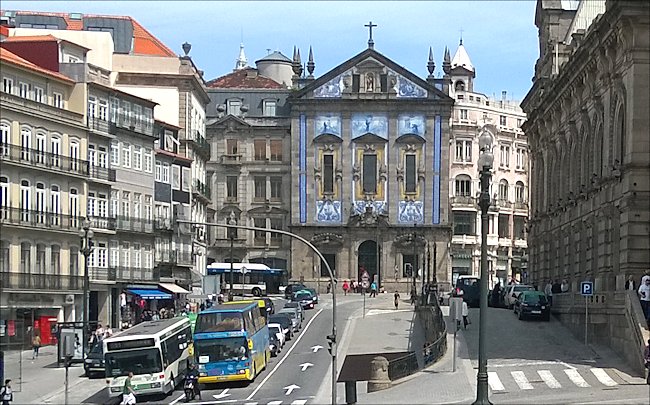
column 157, row 352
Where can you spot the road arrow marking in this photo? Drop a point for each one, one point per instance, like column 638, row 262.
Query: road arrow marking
column 316, row 348
column 304, row 366
column 223, row 394
column 290, row 388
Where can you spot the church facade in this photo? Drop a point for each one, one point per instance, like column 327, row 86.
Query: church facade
column 369, row 173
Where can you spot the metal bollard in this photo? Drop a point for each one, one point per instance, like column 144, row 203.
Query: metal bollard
column 350, row 392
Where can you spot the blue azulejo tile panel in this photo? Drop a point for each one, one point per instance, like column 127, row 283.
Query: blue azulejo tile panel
column 362, row 124
column 411, row 212
column 328, row 211
column 411, row 125
column 327, row 124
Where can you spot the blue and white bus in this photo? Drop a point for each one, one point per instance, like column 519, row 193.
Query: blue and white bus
column 248, row 278
column 231, row 343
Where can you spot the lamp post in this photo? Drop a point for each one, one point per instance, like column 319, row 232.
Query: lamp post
column 231, row 234
column 485, row 161
column 86, row 235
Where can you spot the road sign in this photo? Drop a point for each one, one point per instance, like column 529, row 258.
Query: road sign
column 587, row 288
column 365, row 283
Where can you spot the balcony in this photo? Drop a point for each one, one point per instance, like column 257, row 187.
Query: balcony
column 39, row 219
column 231, row 159
column 200, row 144
column 128, row 122
column 463, row 201
column 43, row 160
column 521, row 206
column 163, row 224
column 99, row 125
column 102, row 173
column 502, row 203
column 137, row 274
column 202, row 190
column 174, row 257
column 99, row 274
column 137, row 225
column 40, row 282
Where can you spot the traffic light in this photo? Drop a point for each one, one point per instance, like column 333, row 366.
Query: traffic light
column 331, row 341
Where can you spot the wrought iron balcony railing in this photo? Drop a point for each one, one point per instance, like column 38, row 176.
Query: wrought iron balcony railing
column 138, row 225
column 30, row 281
column 45, row 160
column 39, row 219
column 135, row 274
column 202, row 189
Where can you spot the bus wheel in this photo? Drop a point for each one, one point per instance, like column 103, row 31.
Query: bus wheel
column 257, row 292
column 173, row 385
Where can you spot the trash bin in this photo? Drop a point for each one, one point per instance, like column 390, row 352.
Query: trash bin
column 350, row 392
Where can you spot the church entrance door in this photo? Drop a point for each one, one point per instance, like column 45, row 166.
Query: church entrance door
column 368, row 261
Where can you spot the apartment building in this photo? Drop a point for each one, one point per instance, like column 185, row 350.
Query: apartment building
column 475, row 113
column 43, row 192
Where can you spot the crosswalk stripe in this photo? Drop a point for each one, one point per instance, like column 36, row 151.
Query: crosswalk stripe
column 299, row 402
column 602, row 376
column 495, row 382
column 549, row 379
column 521, row 380
column 275, row 403
column 250, row 403
column 576, row 378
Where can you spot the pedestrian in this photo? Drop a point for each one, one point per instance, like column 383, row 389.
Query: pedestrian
column 465, row 313
column 564, row 287
column 556, row 288
column 646, row 361
column 644, row 295
column 108, row 332
column 354, row 286
column 373, row 290
column 128, row 394
column 36, row 344
column 396, row 299
column 645, row 277
column 346, row 287
column 329, row 287
column 414, row 295
column 6, row 395
column 548, row 290
column 629, row 284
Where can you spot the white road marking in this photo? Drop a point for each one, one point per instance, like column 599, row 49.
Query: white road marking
column 286, row 355
column 576, row 378
column 291, row 388
column 603, row 377
column 305, row 366
column 250, row 403
column 182, row 397
column 275, row 403
column 223, row 394
column 299, row 402
column 495, row 382
column 549, row 379
column 521, row 380
column 316, row 348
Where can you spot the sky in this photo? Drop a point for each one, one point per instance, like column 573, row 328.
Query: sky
column 499, row 36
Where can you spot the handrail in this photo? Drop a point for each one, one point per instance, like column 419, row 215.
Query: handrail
column 634, row 313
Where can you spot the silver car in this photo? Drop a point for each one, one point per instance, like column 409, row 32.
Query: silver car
column 295, row 317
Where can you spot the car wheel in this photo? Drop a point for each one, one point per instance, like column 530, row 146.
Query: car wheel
column 547, row 318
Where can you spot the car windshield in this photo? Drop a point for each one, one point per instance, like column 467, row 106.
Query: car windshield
column 521, row 288
column 144, row 361
column 289, row 312
column 282, row 320
column 291, row 304
column 275, row 329
column 535, row 299
column 219, row 322
column 226, row 349
column 303, row 296
column 97, row 351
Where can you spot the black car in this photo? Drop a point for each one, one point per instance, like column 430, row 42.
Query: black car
column 268, row 304
column 532, row 304
column 94, row 363
column 304, row 298
column 291, row 288
column 285, row 321
column 274, row 344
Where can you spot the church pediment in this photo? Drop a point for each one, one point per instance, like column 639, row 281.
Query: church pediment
column 327, row 138
column 371, row 73
column 228, row 123
column 266, row 210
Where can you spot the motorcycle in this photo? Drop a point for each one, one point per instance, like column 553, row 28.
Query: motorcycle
column 191, row 388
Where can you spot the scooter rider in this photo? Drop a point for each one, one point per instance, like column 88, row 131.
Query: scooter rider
column 193, row 373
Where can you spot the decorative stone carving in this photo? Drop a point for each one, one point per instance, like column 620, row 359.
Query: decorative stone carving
column 399, row 173
column 383, row 173
column 327, row 239
column 356, row 172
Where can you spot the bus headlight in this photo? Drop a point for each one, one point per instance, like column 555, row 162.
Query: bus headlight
column 203, row 374
column 241, row 372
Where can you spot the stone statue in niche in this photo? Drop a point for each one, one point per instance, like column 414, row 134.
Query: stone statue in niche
column 347, row 84
column 370, row 83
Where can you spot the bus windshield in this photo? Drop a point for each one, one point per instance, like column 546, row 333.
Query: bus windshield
column 144, row 361
column 219, row 322
column 225, row 349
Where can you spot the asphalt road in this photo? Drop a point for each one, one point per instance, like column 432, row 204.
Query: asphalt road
column 293, row 377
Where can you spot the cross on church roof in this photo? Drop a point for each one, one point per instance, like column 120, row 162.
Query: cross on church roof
column 370, row 25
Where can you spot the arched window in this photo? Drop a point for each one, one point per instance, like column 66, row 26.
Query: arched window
column 520, row 192
column 25, row 257
column 620, row 132
column 5, row 138
column 463, row 186
column 459, row 86
column 5, row 256
column 25, row 200
column 40, row 259
column 503, row 190
column 55, row 205
column 74, row 208
column 4, row 197
column 25, row 142
column 40, row 147
column 55, row 259
column 39, row 203
column 55, row 150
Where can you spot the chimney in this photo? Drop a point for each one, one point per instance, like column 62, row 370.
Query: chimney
column 503, row 95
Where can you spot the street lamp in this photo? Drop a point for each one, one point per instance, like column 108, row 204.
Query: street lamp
column 86, row 235
column 485, row 161
column 231, row 235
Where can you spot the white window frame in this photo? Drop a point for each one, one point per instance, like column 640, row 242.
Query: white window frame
column 158, row 174
column 165, row 173
column 232, row 105
column 176, row 177
column 102, row 109
column 39, row 94
column 148, row 160
column 137, row 158
column 23, row 90
column 115, row 153
column 186, row 180
column 8, row 85
column 57, row 99
column 270, row 108
column 126, row 155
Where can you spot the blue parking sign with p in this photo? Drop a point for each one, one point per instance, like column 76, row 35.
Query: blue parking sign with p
column 587, row 288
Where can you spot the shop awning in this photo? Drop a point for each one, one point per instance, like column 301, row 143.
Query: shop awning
column 150, row 294
column 173, row 288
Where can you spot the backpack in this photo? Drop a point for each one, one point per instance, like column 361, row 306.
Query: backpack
column 3, row 394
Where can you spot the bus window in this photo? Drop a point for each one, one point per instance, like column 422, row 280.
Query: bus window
column 219, row 322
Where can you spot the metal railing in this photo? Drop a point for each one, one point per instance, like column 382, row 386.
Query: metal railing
column 138, row 225
column 163, row 224
column 402, row 367
column 42, row 159
column 103, row 223
column 228, row 159
column 29, row 281
column 463, row 200
column 202, row 189
column 137, row 274
column 102, row 173
column 102, row 274
column 39, row 219
column 201, row 143
column 521, row 205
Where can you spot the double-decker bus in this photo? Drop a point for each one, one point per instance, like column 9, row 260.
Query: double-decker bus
column 248, row 278
column 157, row 353
column 231, row 343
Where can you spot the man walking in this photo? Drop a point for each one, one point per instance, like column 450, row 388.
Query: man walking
column 465, row 313
column 548, row 290
column 36, row 344
column 6, row 395
column 644, row 295
column 396, row 298
column 128, row 394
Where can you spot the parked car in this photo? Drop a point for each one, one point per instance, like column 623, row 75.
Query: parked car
column 295, row 317
column 468, row 287
column 314, row 294
column 279, row 331
column 291, row 288
column 298, row 306
column 513, row 292
column 304, row 298
column 94, row 362
column 274, row 345
column 285, row 321
column 532, row 304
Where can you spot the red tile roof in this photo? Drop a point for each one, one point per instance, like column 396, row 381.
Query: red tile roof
column 144, row 43
column 10, row 57
column 32, row 38
column 4, row 31
column 244, row 79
